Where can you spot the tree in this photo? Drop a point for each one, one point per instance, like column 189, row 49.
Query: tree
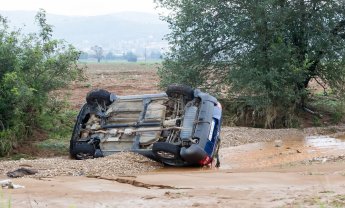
column 131, row 57
column 98, row 52
column 264, row 52
column 110, row 56
column 31, row 67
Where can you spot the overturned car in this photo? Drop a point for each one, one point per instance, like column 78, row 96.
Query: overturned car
column 180, row 127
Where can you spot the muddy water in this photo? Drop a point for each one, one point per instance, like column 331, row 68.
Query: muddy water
column 228, row 186
column 281, row 152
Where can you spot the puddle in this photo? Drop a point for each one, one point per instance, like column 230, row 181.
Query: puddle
column 280, row 152
column 325, row 142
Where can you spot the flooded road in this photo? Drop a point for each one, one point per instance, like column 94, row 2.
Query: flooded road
column 289, row 172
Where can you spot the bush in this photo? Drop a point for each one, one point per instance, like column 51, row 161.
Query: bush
column 31, row 67
column 264, row 53
column 330, row 107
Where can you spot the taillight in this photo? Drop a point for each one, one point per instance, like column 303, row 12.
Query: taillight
column 205, row 161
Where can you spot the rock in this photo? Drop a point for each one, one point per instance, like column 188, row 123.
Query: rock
column 119, row 164
column 21, row 172
column 9, row 185
column 278, row 143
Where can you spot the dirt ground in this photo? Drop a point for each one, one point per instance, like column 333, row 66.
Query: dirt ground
column 259, row 167
column 121, row 79
column 293, row 171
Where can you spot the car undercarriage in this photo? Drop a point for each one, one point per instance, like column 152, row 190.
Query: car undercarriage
column 180, row 127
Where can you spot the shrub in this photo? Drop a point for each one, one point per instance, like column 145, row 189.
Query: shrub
column 31, row 66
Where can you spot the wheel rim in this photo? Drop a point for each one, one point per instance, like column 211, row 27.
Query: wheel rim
column 166, row 155
column 83, row 156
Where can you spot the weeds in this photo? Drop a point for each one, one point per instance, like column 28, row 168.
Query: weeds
column 316, row 121
column 5, row 203
column 338, row 201
column 328, row 106
column 59, row 126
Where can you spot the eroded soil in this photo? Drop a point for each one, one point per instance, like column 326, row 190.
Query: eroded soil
column 296, row 171
column 259, row 168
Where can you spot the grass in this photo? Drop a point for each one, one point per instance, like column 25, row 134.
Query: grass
column 59, row 147
column 5, row 201
column 122, row 67
column 59, row 126
column 329, row 107
column 120, row 61
column 19, row 156
column 321, row 201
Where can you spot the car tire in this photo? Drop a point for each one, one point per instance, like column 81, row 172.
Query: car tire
column 99, row 96
column 76, row 130
column 179, row 89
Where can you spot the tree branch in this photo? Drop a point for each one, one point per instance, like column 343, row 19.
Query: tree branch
column 323, row 86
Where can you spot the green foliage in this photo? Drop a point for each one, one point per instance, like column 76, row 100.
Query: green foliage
column 58, row 124
column 329, row 106
column 5, row 200
column 31, row 67
column 262, row 52
column 58, row 121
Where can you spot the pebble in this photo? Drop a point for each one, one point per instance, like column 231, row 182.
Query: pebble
column 120, row 164
column 131, row 164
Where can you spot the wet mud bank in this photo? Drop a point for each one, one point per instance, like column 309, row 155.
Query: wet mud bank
column 259, row 168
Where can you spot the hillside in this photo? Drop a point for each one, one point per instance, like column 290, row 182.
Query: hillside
column 119, row 31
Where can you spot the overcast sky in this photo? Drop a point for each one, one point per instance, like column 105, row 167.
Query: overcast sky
column 80, row 7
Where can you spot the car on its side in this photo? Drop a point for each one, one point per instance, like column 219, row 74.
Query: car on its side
column 180, row 127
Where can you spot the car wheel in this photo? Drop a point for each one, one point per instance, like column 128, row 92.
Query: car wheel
column 76, row 130
column 100, row 96
column 179, row 89
column 167, row 151
column 83, row 156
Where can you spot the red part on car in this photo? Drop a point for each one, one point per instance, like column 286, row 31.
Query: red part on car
column 207, row 160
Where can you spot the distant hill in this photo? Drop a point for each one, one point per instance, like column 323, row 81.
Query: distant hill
column 120, row 31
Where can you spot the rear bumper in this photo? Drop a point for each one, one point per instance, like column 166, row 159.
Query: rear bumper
column 195, row 155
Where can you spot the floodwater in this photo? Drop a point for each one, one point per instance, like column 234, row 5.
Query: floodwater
column 280, row 152
column 264, row 155
column 252, row 175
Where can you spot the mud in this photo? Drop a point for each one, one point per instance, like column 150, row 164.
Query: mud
column 281, row 153
column 295, row 171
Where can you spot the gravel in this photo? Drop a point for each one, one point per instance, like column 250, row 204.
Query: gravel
column 120, row 164
column 131, row 164
column 234, row 136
